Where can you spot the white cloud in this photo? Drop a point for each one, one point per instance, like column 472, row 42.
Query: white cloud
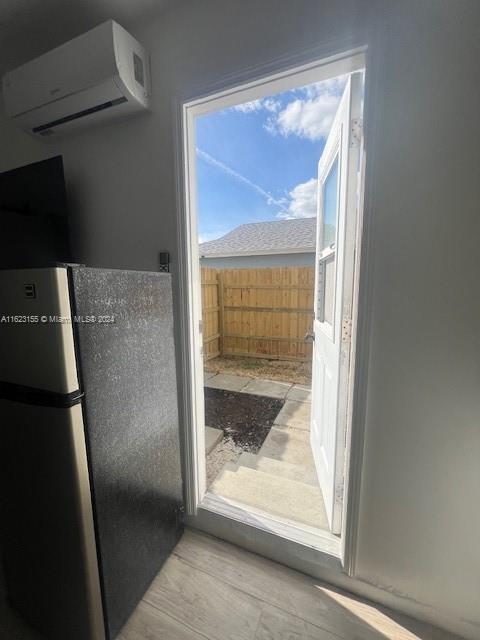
column 248, row 107
column 279, row 202
column 302, row 201
column 309, row 119
column 270, row 104
column 311, row 113
column 271, row 126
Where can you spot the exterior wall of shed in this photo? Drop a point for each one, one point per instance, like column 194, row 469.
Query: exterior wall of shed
column 257, row 262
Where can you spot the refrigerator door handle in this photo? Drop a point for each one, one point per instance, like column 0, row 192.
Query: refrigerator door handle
column 40, row 397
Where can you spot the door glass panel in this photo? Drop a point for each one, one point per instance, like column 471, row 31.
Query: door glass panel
column 330, row 202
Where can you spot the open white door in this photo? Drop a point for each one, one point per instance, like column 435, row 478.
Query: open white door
column 338, row 172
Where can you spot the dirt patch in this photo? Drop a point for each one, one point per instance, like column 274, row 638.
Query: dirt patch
column 282, row 370
column 243, row 417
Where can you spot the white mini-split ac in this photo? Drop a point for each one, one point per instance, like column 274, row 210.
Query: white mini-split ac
column 100, row 75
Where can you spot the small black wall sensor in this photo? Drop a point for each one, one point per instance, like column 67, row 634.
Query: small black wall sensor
column 164, row 262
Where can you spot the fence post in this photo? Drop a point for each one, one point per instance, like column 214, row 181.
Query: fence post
column 221, row 317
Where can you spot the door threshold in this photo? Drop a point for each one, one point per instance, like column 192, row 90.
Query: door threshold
column 317, row 539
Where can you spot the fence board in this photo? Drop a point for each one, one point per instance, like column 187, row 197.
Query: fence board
column 258, row 312
column 210, row 313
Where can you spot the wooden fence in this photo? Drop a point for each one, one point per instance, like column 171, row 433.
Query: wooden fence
column 261, row 313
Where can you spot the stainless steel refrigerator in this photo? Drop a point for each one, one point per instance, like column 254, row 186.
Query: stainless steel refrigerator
column 90, row 466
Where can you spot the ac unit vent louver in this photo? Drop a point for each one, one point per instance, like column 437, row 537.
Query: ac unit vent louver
column 75, row 116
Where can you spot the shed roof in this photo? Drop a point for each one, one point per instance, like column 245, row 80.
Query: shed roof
column 257, row 238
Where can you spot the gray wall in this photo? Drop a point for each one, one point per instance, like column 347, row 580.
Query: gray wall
column 258, row 262
column 419, row 515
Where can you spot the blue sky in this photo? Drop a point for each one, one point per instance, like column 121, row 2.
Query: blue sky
column 258, row 161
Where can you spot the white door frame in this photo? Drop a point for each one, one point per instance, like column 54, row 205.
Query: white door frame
column 235, row 91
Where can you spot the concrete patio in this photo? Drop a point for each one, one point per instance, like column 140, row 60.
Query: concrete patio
column 281, row 479
column 258, row 386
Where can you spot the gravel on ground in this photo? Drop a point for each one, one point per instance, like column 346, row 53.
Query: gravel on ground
column 245, row 420
column 281, row 370
column 244, row 417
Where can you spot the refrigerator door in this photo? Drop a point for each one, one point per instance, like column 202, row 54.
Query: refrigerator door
column 36, row 336
column 128, row 375
column 48, row 537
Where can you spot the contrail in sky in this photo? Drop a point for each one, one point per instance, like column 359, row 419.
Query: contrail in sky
column 238, row 176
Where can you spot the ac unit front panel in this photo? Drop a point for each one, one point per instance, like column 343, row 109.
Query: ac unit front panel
column 69, row 69
column 96, row 112
column 106, row 91
column 104, row 116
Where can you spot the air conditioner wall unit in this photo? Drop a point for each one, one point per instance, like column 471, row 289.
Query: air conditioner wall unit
column 100, row 75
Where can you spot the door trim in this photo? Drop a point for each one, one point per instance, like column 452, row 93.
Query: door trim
column 309, row 66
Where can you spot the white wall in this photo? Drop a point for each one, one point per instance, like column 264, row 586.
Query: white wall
column 420, row 521
column 419, row 515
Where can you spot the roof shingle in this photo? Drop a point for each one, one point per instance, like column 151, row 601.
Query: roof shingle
column 278, row 236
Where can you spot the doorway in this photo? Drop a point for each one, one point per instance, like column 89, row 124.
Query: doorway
column 295, row 436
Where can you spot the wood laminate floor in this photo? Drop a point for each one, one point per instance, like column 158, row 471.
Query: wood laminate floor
column 211, row 590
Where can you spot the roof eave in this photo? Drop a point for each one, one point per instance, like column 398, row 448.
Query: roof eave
column 259, row 252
